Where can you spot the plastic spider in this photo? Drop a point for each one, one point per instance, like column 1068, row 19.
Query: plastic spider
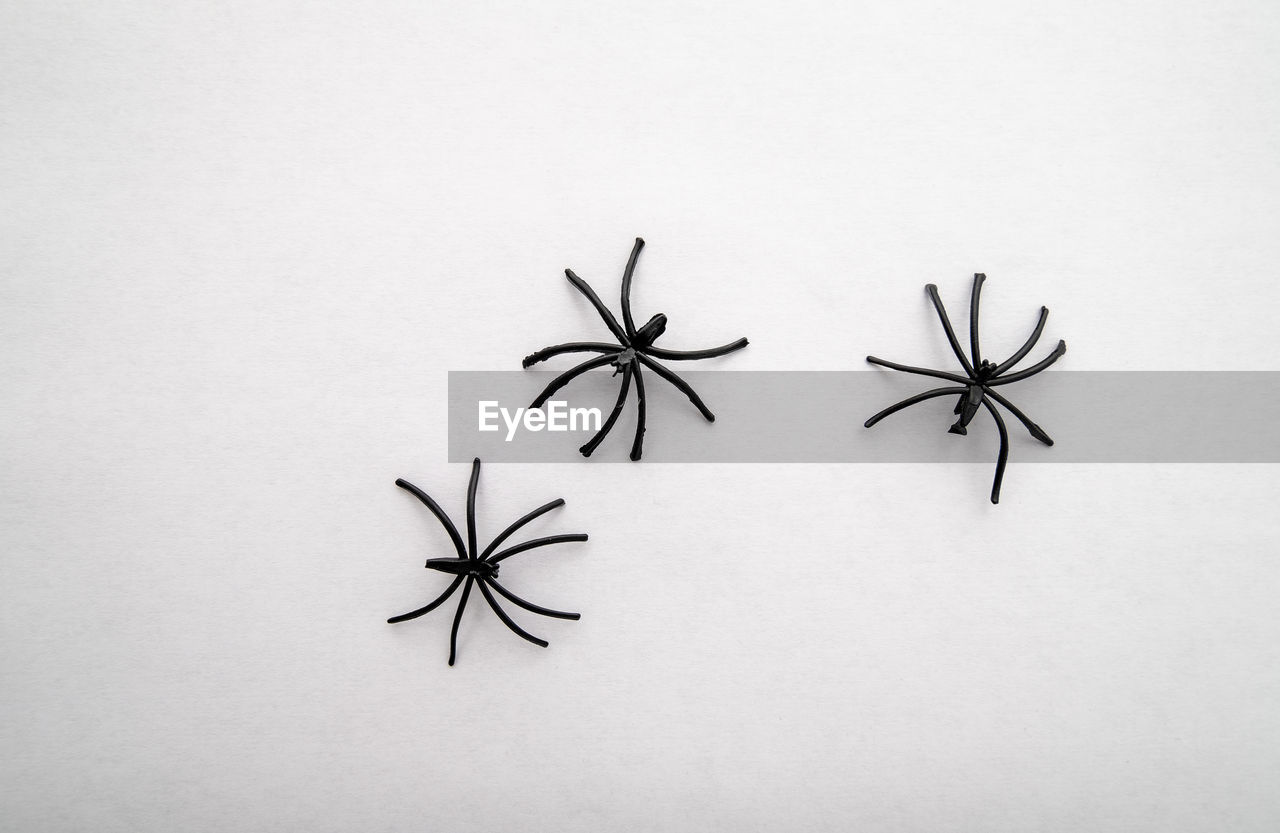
column 982, row 378
column 634, row 349
column 482, row 569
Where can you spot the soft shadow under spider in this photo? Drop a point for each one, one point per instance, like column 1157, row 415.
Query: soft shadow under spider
column 482, row 568
column 634, row 348
column 982, row 376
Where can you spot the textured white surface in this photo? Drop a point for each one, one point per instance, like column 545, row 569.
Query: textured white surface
column 243, row 243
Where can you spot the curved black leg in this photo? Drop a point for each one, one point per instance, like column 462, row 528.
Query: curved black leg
column 567, row 377
column 919, row 397
column 506, row 620
column 405, row 617
column 1004, row 451
column 457, row 619
column 530, row 606
column 1057, row 353
column 609, row 321
column 438, row 512
column 637, row 445
column 1026, row 347
column 573, row 347
column 537, row 542
column 978, row 279
column 593, row 443
column 507, row 533
column 471, row 508
column 946, row 325
column 690, row 355
column 680, row 384
column 1033, row 429
column 919, row 371
column 626, row 287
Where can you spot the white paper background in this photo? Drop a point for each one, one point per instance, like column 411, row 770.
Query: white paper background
column 243, row 243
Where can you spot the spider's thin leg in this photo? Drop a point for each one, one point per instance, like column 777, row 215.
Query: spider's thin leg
column 1035, row 430
column 1004, row 451
column 1034, row 369
column 932, row 289
column 457, row 619
column 1026, row 347
column 623, row 389
column 506, row 620
column 471, row 508
column 438, row 512
column 978, row 278
column 906, row 403
column 506, row 533
column 568, row 376
column 690, row 355
column 626, row 287
column 637, row 445
column 405, row 617
column 919, row 371
column 538, row 542
column 609, row 321
column 680, row 384
column 572, row 347
column 530, row 606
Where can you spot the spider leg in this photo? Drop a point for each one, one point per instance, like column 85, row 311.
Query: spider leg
column 438, row 512
column 471, row 508
column 690, row 355
column 1035, row 430
column 919, row 397
column 978, row 278
column 568, row 376
column 637, row 445
column 1034, row 369
column 679, row 383
column 1004, row 451
column 609, row 321
column 919, row 371
column 1026, row 347
column 538, row 542
column 404, row 617
column 506, row 620
column 626, row 287
column 457, row 619
column 506, row 533
column 530, row 606
column 573, row 347
column 946, row 325
column 623, row 389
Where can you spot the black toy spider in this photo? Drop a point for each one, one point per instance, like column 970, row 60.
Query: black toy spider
column 982, row 377
column 634, row 348
column 482, row 569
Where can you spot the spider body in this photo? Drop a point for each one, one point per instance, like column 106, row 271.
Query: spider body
column 472, row 567
column 633, row 351
column 976, row 388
